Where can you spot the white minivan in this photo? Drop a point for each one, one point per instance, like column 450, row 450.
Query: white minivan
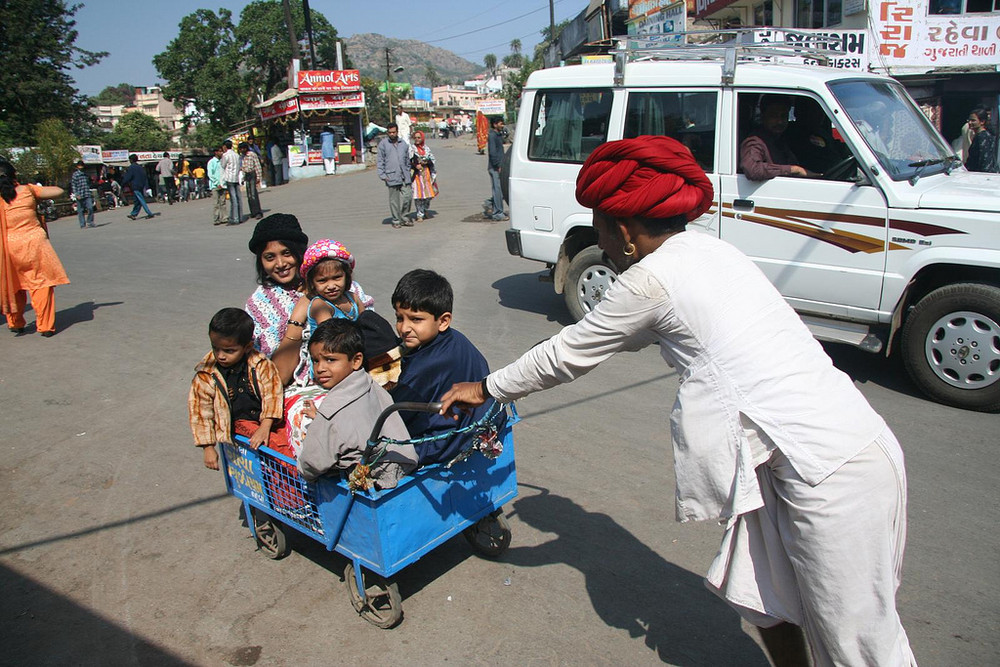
column 890, row 234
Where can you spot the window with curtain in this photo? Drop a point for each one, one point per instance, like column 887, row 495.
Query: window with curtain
column 688, row 117
column 567, row 125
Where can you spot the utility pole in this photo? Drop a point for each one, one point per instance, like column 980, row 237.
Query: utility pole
column 294, row 43
column 309, row 34
column 552, row 28
column 388, row 84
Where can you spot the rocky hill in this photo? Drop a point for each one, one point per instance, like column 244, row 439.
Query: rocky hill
column 367, row 53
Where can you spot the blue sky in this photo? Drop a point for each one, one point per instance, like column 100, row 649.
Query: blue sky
column 134, row 32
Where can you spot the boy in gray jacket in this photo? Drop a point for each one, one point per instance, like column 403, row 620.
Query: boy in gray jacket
column 337, row 437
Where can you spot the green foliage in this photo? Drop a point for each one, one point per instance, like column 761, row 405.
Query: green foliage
column 543, row 45
column 433, row 78
column 490, row 61
column 205, row 136
column 123, row 93
column 375, row 100
column 263, row 38
column 57, row 149
column 27, row 163
column 137, row 131
column 202, row 65
column 514, row 85
column 37, row 42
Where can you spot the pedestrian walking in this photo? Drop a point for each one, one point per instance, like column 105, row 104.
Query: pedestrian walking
column 165, row 168
column 217, row 186
column 983, row 149
column 494, row 145
column 770, row 438
column 392, row 163
column 253, row 174
column 424, row 175
column 80, row 185
column 231, row 177
column 135, row 178
column 328, row 150
column 28, row 262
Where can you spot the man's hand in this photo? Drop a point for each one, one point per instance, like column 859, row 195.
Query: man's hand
column 464, row 395
column 799, row 171
column 211, row 457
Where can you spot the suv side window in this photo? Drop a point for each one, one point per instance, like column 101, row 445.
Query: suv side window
column 806, row 137
column 687, row 117
column 567, row 125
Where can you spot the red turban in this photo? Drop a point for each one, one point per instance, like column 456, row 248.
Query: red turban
column 645, row 177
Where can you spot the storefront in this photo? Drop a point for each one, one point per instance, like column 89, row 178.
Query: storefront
column 297, row 117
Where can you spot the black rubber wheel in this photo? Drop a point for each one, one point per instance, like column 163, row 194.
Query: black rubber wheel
column 380, row 605
column 271, row 538
column 589, row 277
column 490, row 536
column 951, row 346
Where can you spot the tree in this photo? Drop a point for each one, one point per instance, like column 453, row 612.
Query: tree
column 202, row 65
column 204, row 135
column 490, row 60
column 515, row 59
column 123, row 93
column 433, row 78
column 375, row 101
column 37, row 42
column 57, row 149
column 263, row 38
column 138, row 132
column 27, row 163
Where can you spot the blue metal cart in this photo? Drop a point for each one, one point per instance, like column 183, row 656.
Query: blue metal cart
column 381, row 531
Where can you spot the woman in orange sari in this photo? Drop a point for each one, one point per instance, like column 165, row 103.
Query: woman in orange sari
column 424, row 174
column 28, row 263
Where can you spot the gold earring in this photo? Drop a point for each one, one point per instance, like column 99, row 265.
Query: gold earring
column 629, row 249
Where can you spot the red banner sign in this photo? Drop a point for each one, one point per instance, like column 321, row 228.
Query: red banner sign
column 279, row 109
column 329, row 81
column 332, row 101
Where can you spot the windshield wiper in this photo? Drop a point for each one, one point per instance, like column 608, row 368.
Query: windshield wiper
column 953, row 161
column 921, row 165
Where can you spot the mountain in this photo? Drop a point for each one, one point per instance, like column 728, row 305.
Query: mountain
column 367, row 53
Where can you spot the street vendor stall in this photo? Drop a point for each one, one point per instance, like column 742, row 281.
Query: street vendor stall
column 323, row 98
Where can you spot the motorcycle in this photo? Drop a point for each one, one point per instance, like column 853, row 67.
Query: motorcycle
column 47, row 211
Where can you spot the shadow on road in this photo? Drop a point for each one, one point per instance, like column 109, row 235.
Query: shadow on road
column 42, row 627
column 524, row 291
column 866, row 367
column 82, row 312
column 633, row 588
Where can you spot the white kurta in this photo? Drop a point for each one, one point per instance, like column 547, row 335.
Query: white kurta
column 752, row 380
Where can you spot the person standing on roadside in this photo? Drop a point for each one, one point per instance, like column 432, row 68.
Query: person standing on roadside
column 135, row 178
column 165, row 168
column 253, row 174
column 80, row 185
column 982, row 154
column 230, row 162
column 217, row 186
column 277, row 163
column 393, row 166
column 494, row 145
column 327, row 140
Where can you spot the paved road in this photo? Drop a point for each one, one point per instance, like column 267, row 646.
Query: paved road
column 118, row 547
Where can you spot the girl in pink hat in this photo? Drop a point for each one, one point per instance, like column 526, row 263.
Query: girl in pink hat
column 327, row 269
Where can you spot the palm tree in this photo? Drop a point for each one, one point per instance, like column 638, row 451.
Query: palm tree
column 515, row 46
column 490, row 60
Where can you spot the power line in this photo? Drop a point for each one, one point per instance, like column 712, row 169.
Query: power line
column 534, row 11
column 466, row 53
column 474, row 16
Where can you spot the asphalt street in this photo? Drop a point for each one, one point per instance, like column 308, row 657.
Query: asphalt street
column 117, row 547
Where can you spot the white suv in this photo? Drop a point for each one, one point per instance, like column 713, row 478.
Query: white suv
column 894, row 236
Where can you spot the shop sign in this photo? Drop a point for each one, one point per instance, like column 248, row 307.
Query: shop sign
column 354, row 100
column 705, row 8
column 853, row 43
column 669, row 20
column 909, row 38
column 279, row 109
column 147, row 156
column 315, row 157
column 90, row 154
column 329, row 81
column 491, row 107
column 114, row 156
column 296, row 156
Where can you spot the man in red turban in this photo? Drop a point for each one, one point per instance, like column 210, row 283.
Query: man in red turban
column 770, row 439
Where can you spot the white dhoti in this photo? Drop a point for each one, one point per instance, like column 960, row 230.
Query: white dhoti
column 825, row 557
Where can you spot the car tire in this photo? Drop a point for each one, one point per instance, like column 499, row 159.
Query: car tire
column 589, row 277
column 951, row 346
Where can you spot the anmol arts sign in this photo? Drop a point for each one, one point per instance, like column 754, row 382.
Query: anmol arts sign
column 329, row 81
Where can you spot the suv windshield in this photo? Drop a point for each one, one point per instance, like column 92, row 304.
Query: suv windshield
column 902, row 138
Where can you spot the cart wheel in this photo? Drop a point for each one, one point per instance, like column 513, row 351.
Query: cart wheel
column 381, row 605
column 490, row 536
column 270, row 537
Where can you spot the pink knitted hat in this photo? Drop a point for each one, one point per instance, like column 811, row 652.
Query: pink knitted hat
column 325, row 249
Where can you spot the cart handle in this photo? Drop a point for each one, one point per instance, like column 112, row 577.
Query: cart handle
column 395, row 407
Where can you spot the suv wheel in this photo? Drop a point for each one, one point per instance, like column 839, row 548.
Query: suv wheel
column 588, row 278
column 951, row 346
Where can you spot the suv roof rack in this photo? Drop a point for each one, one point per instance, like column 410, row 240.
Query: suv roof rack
column 728, row 46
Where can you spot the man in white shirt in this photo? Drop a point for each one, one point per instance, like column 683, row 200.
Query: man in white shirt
column 165, row 168
column 230, row 163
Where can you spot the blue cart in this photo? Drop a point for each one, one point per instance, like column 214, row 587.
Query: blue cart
column 381, row 531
